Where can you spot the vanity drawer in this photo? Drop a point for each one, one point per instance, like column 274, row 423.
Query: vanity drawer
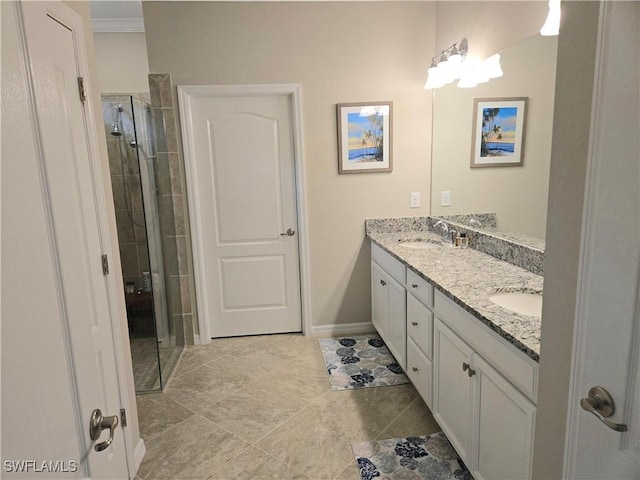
column 420, row 371
column 394, row 267
column 420, row 325
column 420, row 288
column 518, row 368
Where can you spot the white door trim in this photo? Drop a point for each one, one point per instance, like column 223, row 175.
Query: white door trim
column 185, row 94
column 66, row 16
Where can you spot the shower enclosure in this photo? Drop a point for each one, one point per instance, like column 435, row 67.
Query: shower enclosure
column 142, row 225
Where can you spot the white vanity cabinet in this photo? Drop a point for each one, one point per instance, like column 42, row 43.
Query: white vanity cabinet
column 389, row 302
column 489, row 421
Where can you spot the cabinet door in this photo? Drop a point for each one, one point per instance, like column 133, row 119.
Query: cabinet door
column 397, row 322
column 505, row 423
column 379, row 300
column 452, row 388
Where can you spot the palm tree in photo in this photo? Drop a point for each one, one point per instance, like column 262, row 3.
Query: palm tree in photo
column 489, row 129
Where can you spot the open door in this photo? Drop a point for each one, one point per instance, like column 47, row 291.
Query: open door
column 61, row 394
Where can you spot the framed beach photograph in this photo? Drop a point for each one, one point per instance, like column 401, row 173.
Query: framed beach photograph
column 364, row 137
column 498, row 132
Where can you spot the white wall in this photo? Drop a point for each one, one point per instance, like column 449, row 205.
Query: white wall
column 121, row 62
column 489, row 26
column 518, row 195
column 339, row 52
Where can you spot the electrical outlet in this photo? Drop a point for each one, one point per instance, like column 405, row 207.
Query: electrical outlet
column 445, row 198
column 415, row 200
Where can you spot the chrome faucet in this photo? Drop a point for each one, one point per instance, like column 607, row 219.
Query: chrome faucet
column 445, row 231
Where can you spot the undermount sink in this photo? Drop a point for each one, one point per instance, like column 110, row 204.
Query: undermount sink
column 420, row 245
column 525, row 303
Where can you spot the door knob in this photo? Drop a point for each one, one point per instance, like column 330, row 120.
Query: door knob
column 600, row 403
column 99, row 423
column 290, row 233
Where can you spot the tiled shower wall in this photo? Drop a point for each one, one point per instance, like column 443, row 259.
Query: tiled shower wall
column 127, row 195
column 174, row 220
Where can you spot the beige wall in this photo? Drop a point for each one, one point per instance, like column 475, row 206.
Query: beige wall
column 489, row 27
column 338, row 52
column 121, row 61
column 129, row 402
column 571, row 123
column 518, row 195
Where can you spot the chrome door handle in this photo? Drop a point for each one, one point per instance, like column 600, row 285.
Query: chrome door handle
column 99, row 423
column 289, row 233
column 600, row 403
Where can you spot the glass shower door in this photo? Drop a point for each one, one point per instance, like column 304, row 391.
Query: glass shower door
column 131, row 145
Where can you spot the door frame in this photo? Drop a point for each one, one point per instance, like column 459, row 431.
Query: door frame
column 579, row 347
column 124, row 370
column 186, row 93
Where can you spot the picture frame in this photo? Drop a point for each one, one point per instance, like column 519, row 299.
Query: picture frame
column 499, row 127
column 365, row 134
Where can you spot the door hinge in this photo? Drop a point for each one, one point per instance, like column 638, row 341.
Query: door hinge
column 123, row 417
column 82, row 90
column 105, row 265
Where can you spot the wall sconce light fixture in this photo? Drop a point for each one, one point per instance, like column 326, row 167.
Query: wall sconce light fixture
column 453, row 63
column 552, row 23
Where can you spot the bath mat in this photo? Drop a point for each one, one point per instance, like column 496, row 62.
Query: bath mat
column 357, row 362
column 418, row 458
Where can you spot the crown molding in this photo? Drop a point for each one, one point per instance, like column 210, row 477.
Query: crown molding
column 117, row 25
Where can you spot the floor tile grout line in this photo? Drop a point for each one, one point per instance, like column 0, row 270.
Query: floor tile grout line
column 398, row 416
column 170, row 428
column 316, row 366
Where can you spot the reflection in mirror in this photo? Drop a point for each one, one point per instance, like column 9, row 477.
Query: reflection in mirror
column 516, row 194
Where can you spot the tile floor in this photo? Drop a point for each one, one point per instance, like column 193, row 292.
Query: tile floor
column 261, row 407
column 145, row 355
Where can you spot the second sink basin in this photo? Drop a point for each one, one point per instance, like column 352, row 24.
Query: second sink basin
column 524, row 303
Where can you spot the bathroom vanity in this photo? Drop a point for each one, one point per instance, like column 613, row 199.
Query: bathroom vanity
column 473, row 361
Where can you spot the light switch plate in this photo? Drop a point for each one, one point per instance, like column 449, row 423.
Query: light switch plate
column 445, row 198
column 415, row 200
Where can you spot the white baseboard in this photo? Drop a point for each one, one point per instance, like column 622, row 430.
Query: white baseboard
column 342, row 329
column 138, row 455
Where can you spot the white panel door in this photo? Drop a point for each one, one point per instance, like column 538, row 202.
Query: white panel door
column 240, row 164
column 397, row 322
column 607, row 351
column 452, row 388
column 380, row 300
column 68, row 182
column 504, row 428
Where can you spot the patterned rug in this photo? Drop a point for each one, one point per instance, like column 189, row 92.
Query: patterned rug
column 357, row 362
column 413, row 458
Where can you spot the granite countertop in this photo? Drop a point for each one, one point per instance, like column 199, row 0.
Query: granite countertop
column 469, row 278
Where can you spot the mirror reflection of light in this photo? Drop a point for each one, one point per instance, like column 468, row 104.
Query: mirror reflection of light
column 469, row 70
column 551, row 25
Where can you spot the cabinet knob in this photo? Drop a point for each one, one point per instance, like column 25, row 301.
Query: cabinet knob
column 383, row 283
column 415, row 324
column 415, row 369
column 414, row 285
column 467, row 368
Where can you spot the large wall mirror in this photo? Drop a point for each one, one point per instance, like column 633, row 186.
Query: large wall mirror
column 516, row 194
